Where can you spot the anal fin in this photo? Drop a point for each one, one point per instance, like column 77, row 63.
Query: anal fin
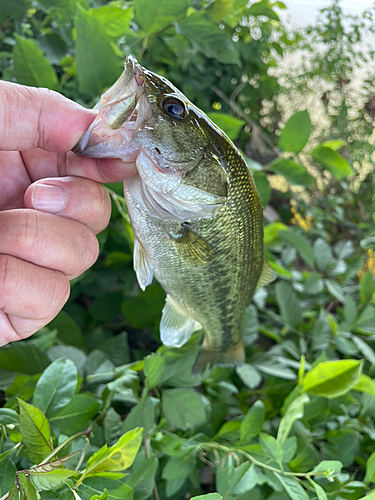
column 176, row 327
column 142, row 265
column 268, row 274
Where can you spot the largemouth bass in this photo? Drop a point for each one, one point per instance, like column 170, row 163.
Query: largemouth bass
column 195, row 211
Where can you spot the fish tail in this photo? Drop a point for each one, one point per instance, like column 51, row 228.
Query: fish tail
column 206, row 358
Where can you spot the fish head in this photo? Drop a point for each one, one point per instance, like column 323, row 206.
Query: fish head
column 144, row 118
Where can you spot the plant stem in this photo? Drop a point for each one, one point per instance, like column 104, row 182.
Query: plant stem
column 147, row 453
column 62, row 445
column 82, row 457
column 217, row 446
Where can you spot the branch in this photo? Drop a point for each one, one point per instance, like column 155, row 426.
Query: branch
column 231, row 103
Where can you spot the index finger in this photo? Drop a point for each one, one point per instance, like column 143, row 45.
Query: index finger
column 40, row 123
column 39, row 118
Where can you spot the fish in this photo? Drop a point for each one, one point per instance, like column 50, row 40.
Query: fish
column 195, row 211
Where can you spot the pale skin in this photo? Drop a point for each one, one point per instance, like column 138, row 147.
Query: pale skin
column 52, row 204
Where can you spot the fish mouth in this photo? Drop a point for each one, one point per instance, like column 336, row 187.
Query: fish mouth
column 121, row 112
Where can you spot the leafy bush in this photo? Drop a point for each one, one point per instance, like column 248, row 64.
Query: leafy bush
column 297, row 419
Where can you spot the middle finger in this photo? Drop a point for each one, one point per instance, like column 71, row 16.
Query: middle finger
column 48, row 241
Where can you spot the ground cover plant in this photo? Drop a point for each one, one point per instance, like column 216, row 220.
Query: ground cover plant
column 92, row 406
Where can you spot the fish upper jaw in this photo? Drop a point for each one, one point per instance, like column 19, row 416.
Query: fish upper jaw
column 122, row 110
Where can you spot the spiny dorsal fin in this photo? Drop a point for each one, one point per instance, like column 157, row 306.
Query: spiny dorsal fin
column 142, row 265
column 176, row 327
column 191, row 246
column 268, row 274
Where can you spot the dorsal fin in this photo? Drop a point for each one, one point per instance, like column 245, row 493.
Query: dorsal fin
column 268, row 274
column 176, row 327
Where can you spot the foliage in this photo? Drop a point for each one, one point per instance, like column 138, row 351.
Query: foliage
column 297, row 419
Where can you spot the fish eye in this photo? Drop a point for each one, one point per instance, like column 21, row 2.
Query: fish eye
column 174, row 108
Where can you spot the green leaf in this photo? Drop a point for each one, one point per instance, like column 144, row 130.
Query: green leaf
column 322, row 254
column 209, row 496
column 252, row 423
column 141, row 477
column 370, row 469
column 75, row 416
column 179, row 466
column 263, row 187
column 364, row 349
column 292, row 487
column 366, row 288
column 249, row 375
column 30, row 65
column 15, row 9
column 183, row 408
column 143, row 415
column 97, row 64
column 23, row 357
column 56, row 387
column 243, row 482
column 113, row 426
column 154, row 370
column 50, row 479
column 334, row 145
column 350, row 310
column 365, row 384
column 296, row 133
column 331, row 379
column 330, row 467
column 7, row 475
column 368, row 243
column 144, row 310
column 300, row 243
column 68, row 330
column 36, row 434
column 95, row 485
column 271, row 448
column 113, row 19
column 289, row 304
column 320, row 492
column 155, row 16
column 27, row 488
column 15, row 493
column 369, row 496
column 262, row 8
column 207, row 36
column 229, row 124
column 294, row 172
column 331, row 161
column 8, row 416
column 294, row 412
column 117, row 458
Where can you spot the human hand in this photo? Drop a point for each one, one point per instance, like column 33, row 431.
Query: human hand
column 51, row 205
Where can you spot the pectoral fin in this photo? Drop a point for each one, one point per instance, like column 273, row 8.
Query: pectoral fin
column 142, row 265
column 175, row 327
column 191, row 246
column 268, row 274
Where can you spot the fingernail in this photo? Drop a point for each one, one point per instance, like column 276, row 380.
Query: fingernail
column 48, row 198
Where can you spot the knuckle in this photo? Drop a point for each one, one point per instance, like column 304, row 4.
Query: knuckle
column 57, row 294
column 100, row 204
column 30, row 231
column 8, row 276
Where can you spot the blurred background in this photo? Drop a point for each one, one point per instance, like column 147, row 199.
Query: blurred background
column 293, row 85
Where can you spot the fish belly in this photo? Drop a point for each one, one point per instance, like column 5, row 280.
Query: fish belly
column 214, row 293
